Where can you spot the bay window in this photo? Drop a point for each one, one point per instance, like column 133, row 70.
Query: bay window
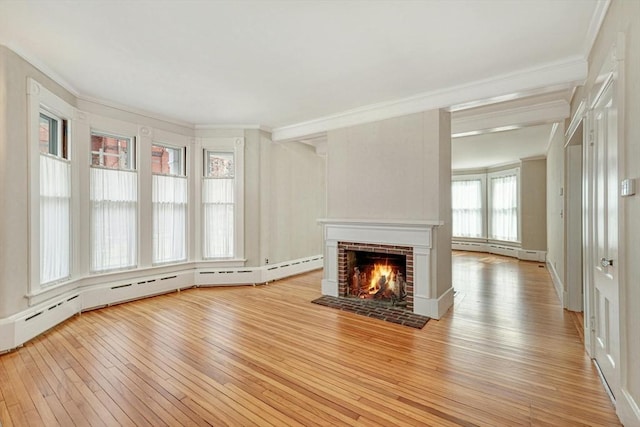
column 486, row 206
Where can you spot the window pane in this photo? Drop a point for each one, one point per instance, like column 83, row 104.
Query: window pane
column 167, row 160
column 48, row 135
column 218, row 165
column 113, row 152
column 466, row 198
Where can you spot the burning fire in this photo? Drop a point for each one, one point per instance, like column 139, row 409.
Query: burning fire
column 383, row 278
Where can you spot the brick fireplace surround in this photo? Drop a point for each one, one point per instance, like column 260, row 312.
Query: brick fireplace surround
column 411, row 238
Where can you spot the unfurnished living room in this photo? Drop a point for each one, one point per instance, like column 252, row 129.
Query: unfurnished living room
column 315, row 212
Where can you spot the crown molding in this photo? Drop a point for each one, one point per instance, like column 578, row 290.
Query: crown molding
column 602, row 6
column 232, row 127
column 568, row 73
column 552, row 134
column 530, row 115
column 132, row 110
column 44, row 69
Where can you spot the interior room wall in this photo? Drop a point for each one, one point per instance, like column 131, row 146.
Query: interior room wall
column 14, row 254
column 252, row 208
column 295, row 200
column 623, row 18
column 533, row 198
column 387, row 169
column 555, row 209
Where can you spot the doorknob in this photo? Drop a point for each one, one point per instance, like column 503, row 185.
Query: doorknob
column 606, row 262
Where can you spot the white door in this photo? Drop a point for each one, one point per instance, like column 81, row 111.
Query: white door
column 604, row 249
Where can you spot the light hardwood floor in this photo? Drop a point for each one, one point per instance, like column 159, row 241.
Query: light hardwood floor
column 505, row 355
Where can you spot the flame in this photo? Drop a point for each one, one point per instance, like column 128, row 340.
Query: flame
column 380, row 270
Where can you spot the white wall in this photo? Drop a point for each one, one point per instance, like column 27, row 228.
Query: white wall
column 555, row 210
column 14, row 250
column 295, row 200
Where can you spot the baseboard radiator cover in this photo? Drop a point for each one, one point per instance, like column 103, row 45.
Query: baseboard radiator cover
column 25, row 325
column 497, row 249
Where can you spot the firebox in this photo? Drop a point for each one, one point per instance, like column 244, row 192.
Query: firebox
column 380, row 273
column 378, row 276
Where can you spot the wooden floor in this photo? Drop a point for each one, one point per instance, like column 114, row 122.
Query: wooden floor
column 505, row 355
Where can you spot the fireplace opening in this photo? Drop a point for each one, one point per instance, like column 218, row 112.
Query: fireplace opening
column 377, row 276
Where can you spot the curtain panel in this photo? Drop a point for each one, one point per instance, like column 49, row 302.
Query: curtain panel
column 169, row 198
column 55, row 219
column 218, row 201
column 504, row 208
column 467, row 209
column 114, row 201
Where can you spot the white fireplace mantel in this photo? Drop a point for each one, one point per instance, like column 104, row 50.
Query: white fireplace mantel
column 416, row 234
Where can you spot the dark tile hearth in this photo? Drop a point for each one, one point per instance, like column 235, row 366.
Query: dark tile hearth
column 374, row 310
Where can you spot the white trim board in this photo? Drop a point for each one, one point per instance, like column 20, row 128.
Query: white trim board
column 21, row 327
column 493, row 248
column 557, row 283
column 627, row 409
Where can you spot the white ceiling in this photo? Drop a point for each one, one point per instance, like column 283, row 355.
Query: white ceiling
column 277, row 64
column 499, row 148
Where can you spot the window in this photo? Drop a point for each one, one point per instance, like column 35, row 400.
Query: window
column 486, row 206
column 218, row 197
column 467, row 208
column 167, row 160
column 114, row 201
column 50, row 189
column 169, row 198
column 52, row 135
column 55, row 199
column 112, row 152
column 503, row 214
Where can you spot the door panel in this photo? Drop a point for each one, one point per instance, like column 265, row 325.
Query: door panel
column 605, row 234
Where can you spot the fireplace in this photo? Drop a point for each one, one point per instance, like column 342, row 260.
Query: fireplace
column 410, row 239
column 376, row 272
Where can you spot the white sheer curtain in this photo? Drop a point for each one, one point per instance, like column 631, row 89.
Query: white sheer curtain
column 504, row 208
column 466, row 201
column 169, row 198
column 55, row 220
column 218, row 217
column 114, row 200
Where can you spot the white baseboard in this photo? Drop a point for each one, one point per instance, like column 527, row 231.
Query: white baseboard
column 628, row 409
column 557, row 283
column 434, row 308
column 23, row 326
column 497, row 249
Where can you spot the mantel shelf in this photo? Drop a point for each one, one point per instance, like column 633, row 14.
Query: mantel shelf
column 382, row 222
